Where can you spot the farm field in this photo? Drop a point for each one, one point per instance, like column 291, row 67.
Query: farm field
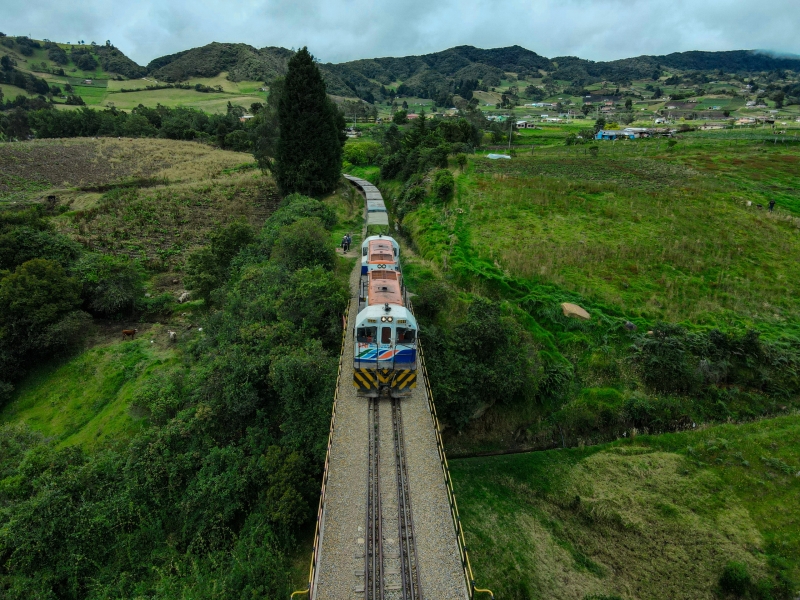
column 656, row 233
column 172, row 97
column 151, row 199
column 652, row 517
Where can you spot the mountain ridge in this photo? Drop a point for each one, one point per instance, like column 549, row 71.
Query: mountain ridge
column 436, row 75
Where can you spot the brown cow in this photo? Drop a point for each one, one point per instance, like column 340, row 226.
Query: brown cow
column 131, row 333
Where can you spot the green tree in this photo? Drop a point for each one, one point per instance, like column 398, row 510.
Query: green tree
column 111, row 285
column 599, row 124
column 304, row 243
column 37, row 313
column 628, row 104
column 207, row 269
column 400, row 117
column 266, row 128
column 309, row 149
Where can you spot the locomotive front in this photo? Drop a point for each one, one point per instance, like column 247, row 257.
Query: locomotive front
column 385, row 361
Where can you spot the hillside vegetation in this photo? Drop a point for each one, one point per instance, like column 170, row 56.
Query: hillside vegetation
column 160, row 466
column 652, row 517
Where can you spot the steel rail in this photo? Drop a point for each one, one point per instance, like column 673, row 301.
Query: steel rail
column 411, row 584
column 373, row 532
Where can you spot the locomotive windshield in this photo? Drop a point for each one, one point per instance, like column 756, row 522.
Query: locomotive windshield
column 366, row 335
column 405, row 336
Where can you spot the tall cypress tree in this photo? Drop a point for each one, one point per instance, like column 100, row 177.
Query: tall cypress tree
column 308, row 157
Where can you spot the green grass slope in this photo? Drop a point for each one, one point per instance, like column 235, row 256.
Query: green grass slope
column 652, row 517
column 86, row 400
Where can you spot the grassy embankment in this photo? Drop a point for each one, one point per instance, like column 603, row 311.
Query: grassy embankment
column 652, row 517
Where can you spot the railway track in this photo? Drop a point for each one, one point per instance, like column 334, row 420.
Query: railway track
column 403, row 562
column 373, row 554
column 409, row 574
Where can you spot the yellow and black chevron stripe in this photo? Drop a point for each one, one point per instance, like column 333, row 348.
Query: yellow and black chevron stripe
column 369, row 380
column 405, row 379
column 365, row 379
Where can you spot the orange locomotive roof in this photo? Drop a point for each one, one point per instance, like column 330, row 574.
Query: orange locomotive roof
column 381, row 251
column 384, row 288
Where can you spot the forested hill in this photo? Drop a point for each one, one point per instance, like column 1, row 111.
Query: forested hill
column 438, row 75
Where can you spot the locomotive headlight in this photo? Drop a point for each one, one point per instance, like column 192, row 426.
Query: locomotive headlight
column 383, row 319
column 390, row 319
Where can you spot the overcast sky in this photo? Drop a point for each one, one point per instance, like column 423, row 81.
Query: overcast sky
column 341, row 30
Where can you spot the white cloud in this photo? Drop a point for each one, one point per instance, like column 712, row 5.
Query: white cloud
column 340, row 30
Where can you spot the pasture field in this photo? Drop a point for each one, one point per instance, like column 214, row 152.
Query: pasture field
column 230, row 87
column 643, row 232
column 657, row 233
column 10, row 92
column 651, row 517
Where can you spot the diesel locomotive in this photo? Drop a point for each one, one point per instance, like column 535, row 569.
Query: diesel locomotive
column 385, row 358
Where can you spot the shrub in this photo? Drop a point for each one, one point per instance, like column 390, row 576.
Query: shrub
column 110, row 285
column 355, row 155
column 735, row 579
column 304, row 243
column 37, row 314
column 477, row 362
column 239, row 141
column 663, row 358
column 432, row 297
column 443, row 185
column 207, row 268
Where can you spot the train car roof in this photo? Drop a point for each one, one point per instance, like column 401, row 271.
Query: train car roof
column 384, row 287
column 391, row 240
column 381, row 251
column 378, row 218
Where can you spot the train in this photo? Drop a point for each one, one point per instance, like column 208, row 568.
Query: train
column 377, row 215
column 385, row 329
